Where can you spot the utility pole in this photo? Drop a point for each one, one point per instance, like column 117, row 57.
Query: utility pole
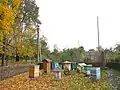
column 78, row 57
column 38, row 41
column 40, row 53
column 98, row 33
column 78, row 44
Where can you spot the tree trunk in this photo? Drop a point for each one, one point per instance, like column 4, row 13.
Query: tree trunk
column 17, row 57
column 3, row 59
column 3, row 51
column 26, row 58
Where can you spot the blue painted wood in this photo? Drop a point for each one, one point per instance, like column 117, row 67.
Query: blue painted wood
column 74, row 65
column 95, row 73
column 60, row 65
column 54, row 65
column 88, row 67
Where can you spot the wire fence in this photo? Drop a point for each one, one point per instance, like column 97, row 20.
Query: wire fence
column 12, row 70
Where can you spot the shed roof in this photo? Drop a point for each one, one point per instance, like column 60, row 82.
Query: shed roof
column 48, row 60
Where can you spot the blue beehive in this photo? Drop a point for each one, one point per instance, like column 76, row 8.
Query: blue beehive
column 54, row 65
column 95, row 73
column 88, row 67
column 60, row 65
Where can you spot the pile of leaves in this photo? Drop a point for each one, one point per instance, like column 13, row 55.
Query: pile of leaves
column 75, row 81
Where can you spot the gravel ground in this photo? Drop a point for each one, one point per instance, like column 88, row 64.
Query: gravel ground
column 114, row 79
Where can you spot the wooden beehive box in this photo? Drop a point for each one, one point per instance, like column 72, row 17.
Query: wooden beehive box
column 67, row 64
column 34, row 71
column 47, row 65
column 57, row 72
column 95, row 73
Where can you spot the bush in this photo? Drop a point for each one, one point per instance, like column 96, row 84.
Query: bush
column 117, row 59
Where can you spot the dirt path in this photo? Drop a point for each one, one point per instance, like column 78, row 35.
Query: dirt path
column 113, row 78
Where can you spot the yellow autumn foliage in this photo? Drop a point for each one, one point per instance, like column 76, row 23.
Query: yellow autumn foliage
column 7, row 14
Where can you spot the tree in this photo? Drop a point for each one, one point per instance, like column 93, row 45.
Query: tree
column 55, row 54
column 8, row 10
column 117, row 53
column 44, row 47
column 29, row 12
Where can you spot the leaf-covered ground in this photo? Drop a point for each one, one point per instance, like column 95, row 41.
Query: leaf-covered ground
column 75, row 81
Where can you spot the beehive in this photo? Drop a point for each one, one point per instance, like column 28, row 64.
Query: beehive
column 87, row 69
column 80, row 67
column 34, row 71
column 73, row 65
column 47, row 65
column 95, row 73
column 67, row 64
column 60, row 65
column 57, row 73
column 54, row 65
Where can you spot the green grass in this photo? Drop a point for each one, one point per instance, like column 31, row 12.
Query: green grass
column 103, row 73
column 117, row 72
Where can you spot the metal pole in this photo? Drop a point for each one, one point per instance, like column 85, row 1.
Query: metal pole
column 98, row 33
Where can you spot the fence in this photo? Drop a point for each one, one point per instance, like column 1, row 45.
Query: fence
column 114, row 65
column 12, row 70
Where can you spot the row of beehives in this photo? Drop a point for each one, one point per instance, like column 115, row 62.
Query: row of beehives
column 57, row 68
column 89, row 70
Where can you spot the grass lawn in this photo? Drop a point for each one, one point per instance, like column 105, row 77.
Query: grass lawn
column 75, row 81
column 117, row 72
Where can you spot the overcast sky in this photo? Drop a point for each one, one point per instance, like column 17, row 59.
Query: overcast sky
column 64, row 22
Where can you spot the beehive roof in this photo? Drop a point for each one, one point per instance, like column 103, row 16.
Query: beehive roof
column 81, row 64
column 66, row 62
column 57, row 69
column 48, row 60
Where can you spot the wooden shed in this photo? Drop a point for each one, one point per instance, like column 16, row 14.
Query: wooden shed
column 47, row 65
